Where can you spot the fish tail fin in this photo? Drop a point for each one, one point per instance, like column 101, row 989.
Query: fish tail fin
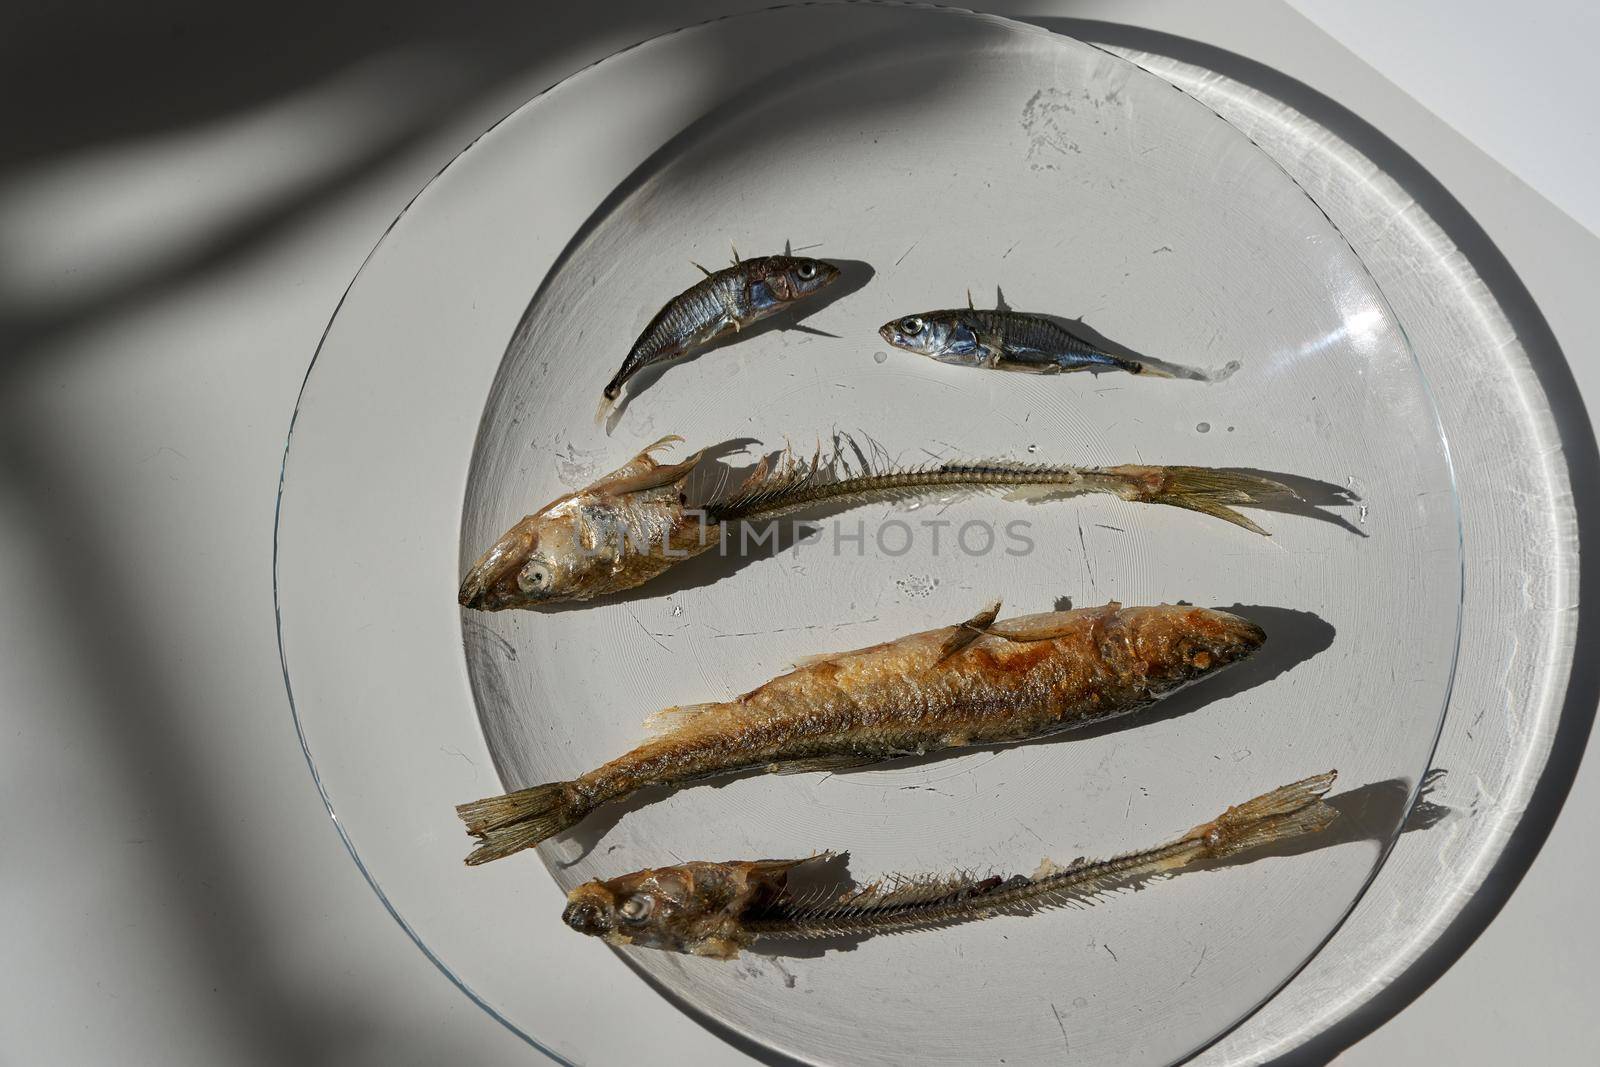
column 1147, row 370
column 1287, row 812
column 1203, row 489
column 607, row 402
column 515, row 821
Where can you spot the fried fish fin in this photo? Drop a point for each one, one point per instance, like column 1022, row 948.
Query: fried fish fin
column 822, row 763
column 1028, row 628
column 673, row 718
column 644, row 472
column 969, row 631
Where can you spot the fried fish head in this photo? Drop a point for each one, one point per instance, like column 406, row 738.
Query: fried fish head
column 1181, row 643
column 696, row 908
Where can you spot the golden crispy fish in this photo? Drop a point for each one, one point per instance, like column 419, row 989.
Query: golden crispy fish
column 981, row 682
column 717, row 909
column 638, row 521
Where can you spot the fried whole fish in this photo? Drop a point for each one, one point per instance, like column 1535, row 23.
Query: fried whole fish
column 724, row 300
column 981, row 682
column 717, row 909
column 1003, row 339
column 639, row 521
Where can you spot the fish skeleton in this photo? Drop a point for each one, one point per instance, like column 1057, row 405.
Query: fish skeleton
column 718, row 909
column 1005, row 340
column 980, row 682
column 639, row 521
column 726, row 300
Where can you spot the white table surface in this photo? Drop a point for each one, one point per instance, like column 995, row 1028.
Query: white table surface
column 176, row 226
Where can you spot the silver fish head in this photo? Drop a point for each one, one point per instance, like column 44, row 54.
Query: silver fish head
column 778, row 280
column 692, row 907
column 931, row 333
column 541, row 559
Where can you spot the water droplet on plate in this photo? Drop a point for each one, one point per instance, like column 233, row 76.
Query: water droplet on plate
column 1204, row 427
column 1361, row 514
column 1033, row 448
column 879, row 357
column 677, row 609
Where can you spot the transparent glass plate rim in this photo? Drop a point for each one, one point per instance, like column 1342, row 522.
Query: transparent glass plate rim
column 574, row 80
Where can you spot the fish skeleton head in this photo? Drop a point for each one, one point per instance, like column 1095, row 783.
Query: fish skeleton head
column 543, row 558
column 778, row 280
column 694, row 907
column 938, row 334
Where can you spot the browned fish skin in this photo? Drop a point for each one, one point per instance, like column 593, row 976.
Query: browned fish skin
column 1023, row 678
column 716, row 909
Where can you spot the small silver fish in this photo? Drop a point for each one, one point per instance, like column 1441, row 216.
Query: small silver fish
column 1003, row 339
column 729, row 299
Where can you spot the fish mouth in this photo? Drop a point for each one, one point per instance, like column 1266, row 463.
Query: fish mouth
column 1231, row 636
column 886, row 331
column 586, row 917
column 491, row 583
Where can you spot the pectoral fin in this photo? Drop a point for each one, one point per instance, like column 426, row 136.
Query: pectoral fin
column 823, row 763
column 643, row 472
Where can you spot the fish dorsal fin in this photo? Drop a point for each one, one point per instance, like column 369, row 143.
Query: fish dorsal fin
column 786, row 249
column 676, row 718
column 701, row 269
column 1049, row 626
column 776, row 868
column 969, row 631
column 970, row 305
column 643, row 472
column 1000, row 300
column 828, row 657
column 736, row 259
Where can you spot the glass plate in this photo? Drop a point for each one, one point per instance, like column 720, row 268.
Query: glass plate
column 948, row 150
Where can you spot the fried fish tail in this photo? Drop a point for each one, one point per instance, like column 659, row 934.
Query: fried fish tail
column 1287, row 812
column 508, row 824
column 1204, row 489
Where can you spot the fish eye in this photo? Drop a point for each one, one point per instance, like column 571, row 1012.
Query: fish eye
column 534, row 578
column 637, row 908
column 806, row 271
column 912, row 326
